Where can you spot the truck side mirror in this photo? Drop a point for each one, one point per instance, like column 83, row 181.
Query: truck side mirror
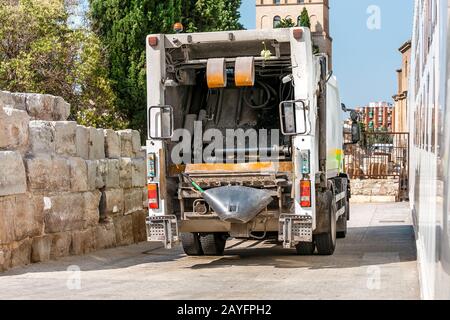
column 356, row 132
column 160, row 122
column 288, row 117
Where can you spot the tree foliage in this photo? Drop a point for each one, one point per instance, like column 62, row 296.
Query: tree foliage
column 304, row 19
column 40, row 53
column 124, row 25
column 285, row 23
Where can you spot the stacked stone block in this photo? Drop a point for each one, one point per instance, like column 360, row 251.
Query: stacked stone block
column 375, row 190
column 65, row 189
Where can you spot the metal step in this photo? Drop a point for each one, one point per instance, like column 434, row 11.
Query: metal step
column 294, row 229
column 163, row 229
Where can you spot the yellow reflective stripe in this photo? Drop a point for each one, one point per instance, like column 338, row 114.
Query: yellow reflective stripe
column 335, row 158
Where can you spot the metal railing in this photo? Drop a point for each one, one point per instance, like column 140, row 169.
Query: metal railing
column 378, row 155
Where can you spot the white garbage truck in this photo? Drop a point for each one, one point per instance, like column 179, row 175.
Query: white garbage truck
column 245, row 141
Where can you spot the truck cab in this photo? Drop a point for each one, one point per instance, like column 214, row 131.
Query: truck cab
column 245, row 140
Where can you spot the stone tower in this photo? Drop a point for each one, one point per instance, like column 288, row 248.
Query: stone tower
column 270, row 12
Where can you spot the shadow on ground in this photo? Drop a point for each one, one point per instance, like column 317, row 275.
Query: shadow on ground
column 363, row 246
column 380, row 245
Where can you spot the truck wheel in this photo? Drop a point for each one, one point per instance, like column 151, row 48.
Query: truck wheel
column 191, row 244
column 342, row 222
column 213, row 244
column 305, row 248
column 326, row 242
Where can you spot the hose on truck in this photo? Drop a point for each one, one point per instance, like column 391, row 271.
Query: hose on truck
column 269, row 92
column 195, row 185
column 264, row 234
column 282, row 89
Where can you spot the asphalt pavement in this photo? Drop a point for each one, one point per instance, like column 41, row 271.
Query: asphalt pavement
column 377, row 260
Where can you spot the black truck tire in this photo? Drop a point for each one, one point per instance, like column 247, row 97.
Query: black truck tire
column 305, row 248
column 326, row 241
column 191, row 244
column 213, row 244
column 342, row 222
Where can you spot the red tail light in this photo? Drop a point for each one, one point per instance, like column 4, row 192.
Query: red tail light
column 153, row 41
column 305, row 193
column 297, row 33
column 153, row 198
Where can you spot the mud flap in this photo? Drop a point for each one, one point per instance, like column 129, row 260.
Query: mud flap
column 163, row 229
column 294, row 229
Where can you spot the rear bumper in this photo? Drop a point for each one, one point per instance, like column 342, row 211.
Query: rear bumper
column 216, row 225
column 291, row 229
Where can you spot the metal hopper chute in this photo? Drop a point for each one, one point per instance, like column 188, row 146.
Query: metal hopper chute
column 235, row 204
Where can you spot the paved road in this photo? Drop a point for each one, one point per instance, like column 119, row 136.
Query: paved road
column 376, row 261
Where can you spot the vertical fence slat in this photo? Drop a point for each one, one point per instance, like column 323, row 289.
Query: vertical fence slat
column 379, row 155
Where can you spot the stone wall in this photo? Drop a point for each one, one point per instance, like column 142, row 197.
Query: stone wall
column 375, row 190
column 65, row 189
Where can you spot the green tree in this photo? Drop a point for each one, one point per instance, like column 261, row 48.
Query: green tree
column 40, row 53
column 286, row 23
column 304, row 19
column 124, row 25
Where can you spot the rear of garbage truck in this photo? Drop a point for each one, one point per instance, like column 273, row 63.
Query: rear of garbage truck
column 245, row 140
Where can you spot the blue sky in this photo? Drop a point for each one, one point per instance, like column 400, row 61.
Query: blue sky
column 364, row 60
